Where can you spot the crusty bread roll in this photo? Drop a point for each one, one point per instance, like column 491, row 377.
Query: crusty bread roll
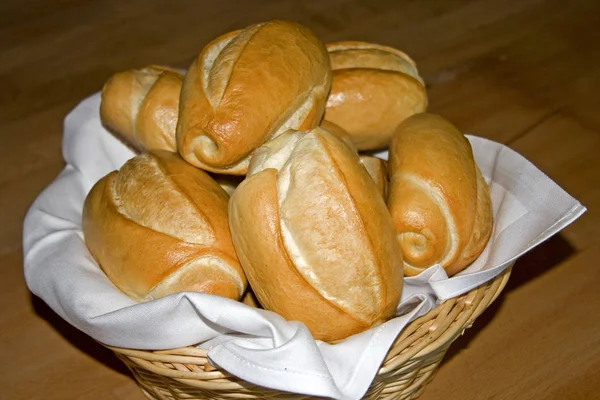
column 142, row 106
column 159, row 226
column 315, row 237
column 374, row 88
column 248, row 86
column 377, row 168
column 438, row 199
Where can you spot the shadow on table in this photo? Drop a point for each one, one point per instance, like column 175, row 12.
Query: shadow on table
column 533, row 264
column 79, row 339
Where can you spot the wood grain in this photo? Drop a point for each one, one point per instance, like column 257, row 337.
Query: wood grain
column 524, row 73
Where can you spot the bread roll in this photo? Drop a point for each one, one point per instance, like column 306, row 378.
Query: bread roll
column 249, row 86
column 438, row 199
column 377, row 168
column 315, row 237
column 374, row 88
column 142, row 105
column 159, row 226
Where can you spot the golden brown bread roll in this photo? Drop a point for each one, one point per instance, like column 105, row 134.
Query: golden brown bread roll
column 142, row 106
column 377, row 168
column 315, row 237
column 159, row 226
column 438, row 199
column 248, row 86
column 374, row 88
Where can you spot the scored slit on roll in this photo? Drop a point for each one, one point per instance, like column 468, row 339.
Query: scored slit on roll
column 309, row 214
column 438, row 199
column 140, row 183
column 159, row 226
column 247, row 87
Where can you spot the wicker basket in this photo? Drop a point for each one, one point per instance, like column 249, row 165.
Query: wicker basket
column 410, row 364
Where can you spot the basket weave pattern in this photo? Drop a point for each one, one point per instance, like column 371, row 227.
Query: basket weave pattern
column 410, row 364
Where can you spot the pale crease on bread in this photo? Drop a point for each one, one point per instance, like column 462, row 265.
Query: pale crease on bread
column 377, row 169
column 374, row 88
column 142, row 106
column 439, row 201
column 248, row 86
column 315, row 237
column 159, row 226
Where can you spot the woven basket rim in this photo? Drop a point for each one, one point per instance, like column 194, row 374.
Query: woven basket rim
column 425, row 339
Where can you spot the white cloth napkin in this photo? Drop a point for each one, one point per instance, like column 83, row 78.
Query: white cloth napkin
column 256, row 345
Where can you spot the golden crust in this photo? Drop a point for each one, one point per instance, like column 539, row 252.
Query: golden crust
column 374, row 88
column 314, row 236
column 159, row 226
column 438, row 200
column 142, row 106
column 248, row 86
column 350, row 55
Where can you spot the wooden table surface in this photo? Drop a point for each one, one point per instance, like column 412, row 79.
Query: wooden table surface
column 525, row 73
